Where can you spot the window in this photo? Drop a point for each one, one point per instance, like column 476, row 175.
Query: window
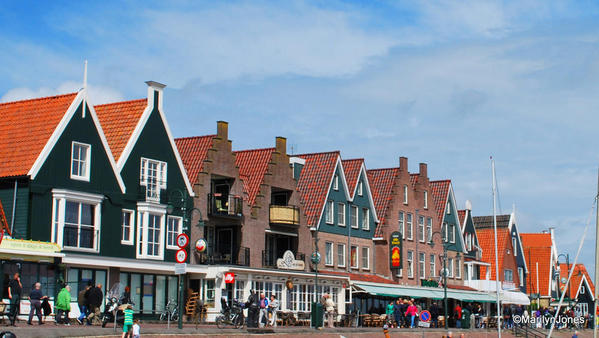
column 365, row 258
column 410, row 264
column 341, row 214
column 514, row 246
column 126, row 227
column 429, row 229
column 341, row 255
column 354, row 256
column 365, row 219
column 328, row 257
column 360, row 189
column 421, row 228
column 153, row 177
column 80, row 161
column 452, row 233
column 449, row 267
column 336, row 182
column 521, row 276
column 329, row 212
column 150, row 231
column 445, row 232
column 425, row 199
column 433, row 271
column 173, row 230
column 76, row 220
column 422, row 265
column 240, row 289
column 581, row 289
column 405, row 194
column 402, row 226
column 508, row 275
column 458, row 268
column 447, row 209
column 353, row 216
column 409, row 227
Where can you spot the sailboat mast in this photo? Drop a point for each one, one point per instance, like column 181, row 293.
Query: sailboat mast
column 594, row 311
column 496, row 254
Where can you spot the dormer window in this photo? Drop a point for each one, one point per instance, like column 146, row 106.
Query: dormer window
column 80, row 160
column 336, row 182
column 447, row 209
column 153, row 177
column 514, row 246
column 360, row 189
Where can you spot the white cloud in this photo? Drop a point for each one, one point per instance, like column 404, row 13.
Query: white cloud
column 97, row 94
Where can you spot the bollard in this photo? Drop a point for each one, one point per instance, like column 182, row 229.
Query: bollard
column 386, row 330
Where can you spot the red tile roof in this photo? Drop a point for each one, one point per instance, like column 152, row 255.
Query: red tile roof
column 26, row 128
column 579, row 272
column 194, row 151
column 440, row 193
column 537, row 249
column 314, row 182
column 462, row 217
column 486, row 240
column 253, row 165
column 381, row 186
column 363, row 277
column 3, row 221
column 414, row 179
column 351, row 169
column 118, row 121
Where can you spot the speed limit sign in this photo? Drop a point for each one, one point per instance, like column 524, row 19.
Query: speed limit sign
column 181, row 256
column 182, row 241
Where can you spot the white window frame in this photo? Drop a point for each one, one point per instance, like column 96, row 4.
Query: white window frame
column 445, row 230
column 582, row 289
column 60, row 197
column 341, row 262
column 161, row 177
column 458, row 271
column 422, row 264
column 433, row 268
column 365, row 219
column 173, row 246
column 405, row 194
column 448, row 211
column 449, row 267
column 144, row 209
column 505, row 273
column 429, row 229
column 452, row 234
column 410, row 226
column 341, row 209
column 410, row 260
column 360, row 189
column 336, row 182
column 328, row 254
column 352, row 265
column 514, row 246
column 421, row 229
column 354, row 211
column 365, row 258
column 521, row 276
column 131, row 215
column 87, row 166
column 330, row 212
column 425, row 199
column 401, row 219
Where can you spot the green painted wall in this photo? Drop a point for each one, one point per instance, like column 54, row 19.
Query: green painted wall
column 20, row 228
column 451, row 218
column 469, row 228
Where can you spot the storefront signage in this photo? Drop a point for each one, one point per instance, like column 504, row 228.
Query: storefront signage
column 180, row 269
column 25, row 245
column 395, row 254
column 288, row 262
column 229, row 278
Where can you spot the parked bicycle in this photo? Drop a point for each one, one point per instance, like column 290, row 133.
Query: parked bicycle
column 170, row 313
column 230, row 315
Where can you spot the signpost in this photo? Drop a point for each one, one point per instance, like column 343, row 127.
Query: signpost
column 181, row 257
column 425, row 318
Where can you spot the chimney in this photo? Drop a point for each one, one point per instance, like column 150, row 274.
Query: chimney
column 155, row 90
column 281, row 145
column 422, row 173
column 403, row 164
column 222, row 130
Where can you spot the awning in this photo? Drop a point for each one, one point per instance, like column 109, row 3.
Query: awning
column 423, row 292
column 514, row 297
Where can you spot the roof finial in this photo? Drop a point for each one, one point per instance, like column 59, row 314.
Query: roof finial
column 85, row 75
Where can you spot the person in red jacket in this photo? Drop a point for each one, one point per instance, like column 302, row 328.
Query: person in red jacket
column 458, row 315
column 411, row 313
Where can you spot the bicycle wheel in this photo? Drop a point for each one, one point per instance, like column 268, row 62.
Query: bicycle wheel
column 175, row 316
column 163, row 316
column 220, row 322
column 239, row 321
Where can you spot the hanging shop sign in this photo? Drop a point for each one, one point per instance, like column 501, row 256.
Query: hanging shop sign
column 200, row 245
column 288, row 262
column 395, row 252
column 229, row 278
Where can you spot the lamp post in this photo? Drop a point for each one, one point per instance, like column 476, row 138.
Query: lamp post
column 444, row 257
column 315, row 259
column 567, row 290
column 182, row 205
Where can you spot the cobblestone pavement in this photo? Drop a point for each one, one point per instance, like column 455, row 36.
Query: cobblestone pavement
column 160, row 330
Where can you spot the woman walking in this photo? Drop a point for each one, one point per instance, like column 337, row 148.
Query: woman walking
column 411, row 313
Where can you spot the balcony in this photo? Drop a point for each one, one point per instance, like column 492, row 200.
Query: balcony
column 483, row 285
column 243, row 258
column 225, row 205
column 284, row 214
column 269, row 258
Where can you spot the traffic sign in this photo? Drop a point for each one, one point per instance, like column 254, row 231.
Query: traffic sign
column 181, row 256
column 182, row 240
column 425, row 316
column 229, row 278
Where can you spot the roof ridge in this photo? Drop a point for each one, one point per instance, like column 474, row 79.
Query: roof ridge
column 193, row 137
column 379, row 169
column 256, row 149
column 438, row 181
column 121, row 102
column 318, row 153
column 38, row 98
column 354, row 159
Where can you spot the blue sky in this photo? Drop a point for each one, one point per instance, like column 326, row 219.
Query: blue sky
column 447, row 83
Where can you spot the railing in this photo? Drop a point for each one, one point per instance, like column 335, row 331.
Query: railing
column 269, row 258
column 526, row 331
column 225, row 205
column 284, row 214
column 218, row 258
column 83, row 237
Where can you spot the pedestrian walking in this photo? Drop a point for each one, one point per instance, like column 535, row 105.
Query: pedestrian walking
column 330, row 308
column 434, row 310
column 15, row 291
column 128, row 321
column 253, row 305
column 63, row 306
column 389, row 313
column 263, row 310
column 95, row 297
column 397, row 313
column 274, row 308
column 83, row 303
column 457, row 311
column 411, row 313
column 35, row 299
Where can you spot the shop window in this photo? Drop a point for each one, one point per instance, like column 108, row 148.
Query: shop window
column 240, row 290
column 209, row 297
column 160, row 293
column 153, row 177
column 292, row 298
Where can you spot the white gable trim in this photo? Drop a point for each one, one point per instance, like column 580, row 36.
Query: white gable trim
column 339, row 165
column 455, row 212
column 513, row 222
column 80, row 99
column 584, row 279
column 367, row 184
column 137, row 132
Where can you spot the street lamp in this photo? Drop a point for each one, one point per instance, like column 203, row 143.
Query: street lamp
column 444, row 256
column 567, row 256
column 182, row 205
column 315, row 259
